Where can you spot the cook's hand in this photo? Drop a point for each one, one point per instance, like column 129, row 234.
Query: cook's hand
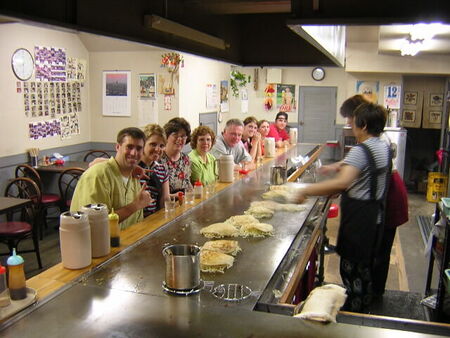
column 140, row 173
column 299, row 197
column 143, row 198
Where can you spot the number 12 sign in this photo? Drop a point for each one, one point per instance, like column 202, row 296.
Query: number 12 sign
column 392, row 95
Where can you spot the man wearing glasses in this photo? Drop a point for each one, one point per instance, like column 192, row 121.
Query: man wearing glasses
column 229, row 143
column 277, row 130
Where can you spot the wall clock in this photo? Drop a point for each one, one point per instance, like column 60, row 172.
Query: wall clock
column 22, row 64
column 318, row 74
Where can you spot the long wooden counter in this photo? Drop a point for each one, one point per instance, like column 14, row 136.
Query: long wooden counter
column 57, row 277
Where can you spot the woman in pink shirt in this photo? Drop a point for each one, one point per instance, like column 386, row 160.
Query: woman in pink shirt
column 277, row 130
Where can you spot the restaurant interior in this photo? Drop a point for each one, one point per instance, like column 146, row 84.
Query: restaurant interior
column 266, row 42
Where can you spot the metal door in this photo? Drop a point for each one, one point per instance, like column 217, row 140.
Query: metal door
column 317, row 114
column 209, row 119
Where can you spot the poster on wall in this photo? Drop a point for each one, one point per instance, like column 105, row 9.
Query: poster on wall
column 147, row 112
column 285, row 97
column 392, row 96
column 72, row 69
column 147, row 86
column 224, row 106
column 116, row 93
column 369, row 89
column 211, row 97
column 50, row 64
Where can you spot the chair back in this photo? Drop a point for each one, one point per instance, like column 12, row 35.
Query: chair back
column 67, row 182
column 93, row 154
column 26, row 170
column 24, row 187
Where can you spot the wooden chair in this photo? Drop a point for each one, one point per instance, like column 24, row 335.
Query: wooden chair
column 13, row 231
column 67, row 182
column 48, row 200
column 93, row 154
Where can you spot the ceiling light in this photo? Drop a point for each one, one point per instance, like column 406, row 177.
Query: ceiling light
column 424, row 31
column 171, row 27
column 410, row 47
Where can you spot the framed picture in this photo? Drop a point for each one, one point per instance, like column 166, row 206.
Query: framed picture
column 436, row 99
column 435, row 116
column 410, row 98
column 409, row 115
column 147, row 86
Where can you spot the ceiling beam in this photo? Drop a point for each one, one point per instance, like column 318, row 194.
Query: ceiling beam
column 248, row 7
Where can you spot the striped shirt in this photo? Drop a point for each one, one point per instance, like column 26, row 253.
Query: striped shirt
column 356, row 157
column 155, row 190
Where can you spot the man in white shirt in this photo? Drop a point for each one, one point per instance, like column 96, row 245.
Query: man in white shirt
column 229, row 143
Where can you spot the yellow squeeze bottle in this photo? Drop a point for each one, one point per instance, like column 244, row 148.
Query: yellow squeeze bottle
column 114, row 228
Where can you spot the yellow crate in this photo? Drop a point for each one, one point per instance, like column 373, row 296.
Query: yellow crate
column 437, row 186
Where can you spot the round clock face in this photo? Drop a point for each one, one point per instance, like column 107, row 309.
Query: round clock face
column 22, row 64
column 318, row 73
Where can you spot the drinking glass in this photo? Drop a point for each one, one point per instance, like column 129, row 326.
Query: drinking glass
column 169, row 205
column 210, row 189
column 189, row 196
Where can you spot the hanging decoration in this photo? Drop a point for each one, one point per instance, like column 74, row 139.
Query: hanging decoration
column 172, row 62
column 268, row 93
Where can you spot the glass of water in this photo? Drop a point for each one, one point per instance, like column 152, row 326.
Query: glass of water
column 189, row 196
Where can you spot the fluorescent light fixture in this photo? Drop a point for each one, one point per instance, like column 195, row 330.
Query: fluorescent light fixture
column 330, row 40
column 171, row 27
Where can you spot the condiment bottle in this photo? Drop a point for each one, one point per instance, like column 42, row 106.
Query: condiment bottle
column 4, row 295
column 198, row 189
column 180, row 197
column 98, row 220
column 16, row 278
column 114, row 228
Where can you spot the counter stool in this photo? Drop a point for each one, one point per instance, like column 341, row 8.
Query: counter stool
column 13, row 231
column 48, row 200
column 333, row 212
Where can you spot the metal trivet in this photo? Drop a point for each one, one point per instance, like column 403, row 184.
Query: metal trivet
column 232, row 292
column 183, row 292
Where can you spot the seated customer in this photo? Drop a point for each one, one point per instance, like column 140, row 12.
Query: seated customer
column 203, row 164
column 263, row 129
column 177, row 164
column 158, row 178
column 277, row 130
column 112, row 183
column 251, row 137
column 229, row 143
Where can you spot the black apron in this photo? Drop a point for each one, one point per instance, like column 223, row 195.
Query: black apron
column 359, row 231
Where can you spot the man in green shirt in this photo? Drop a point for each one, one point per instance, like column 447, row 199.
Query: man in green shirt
column 111, row 182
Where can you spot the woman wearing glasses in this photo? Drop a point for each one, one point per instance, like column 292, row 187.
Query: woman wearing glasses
column 177, row 163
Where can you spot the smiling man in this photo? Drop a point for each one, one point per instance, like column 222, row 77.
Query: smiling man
column 229, row 143
column 111, row 182
column 278, row 130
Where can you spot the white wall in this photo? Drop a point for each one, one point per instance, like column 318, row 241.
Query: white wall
column 13, row 122
column 364, row 57
column 194, row 76
column 299, row 76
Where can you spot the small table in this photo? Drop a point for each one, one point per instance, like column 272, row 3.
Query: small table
column 53, row 168
column 9, row 203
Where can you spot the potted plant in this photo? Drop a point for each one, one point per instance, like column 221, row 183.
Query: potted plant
column 237, row 80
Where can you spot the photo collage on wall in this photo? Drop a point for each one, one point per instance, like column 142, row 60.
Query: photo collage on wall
column 55, row 93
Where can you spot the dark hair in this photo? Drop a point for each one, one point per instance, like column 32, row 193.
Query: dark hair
column 261, row 122
column 133, row 132
column 175, row 125
column 372, row 116
column 234, row 122
column 250, row 119
column 348, row 106
column 201, row 131
column 282, row 113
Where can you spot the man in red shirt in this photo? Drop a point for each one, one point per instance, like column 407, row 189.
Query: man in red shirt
column 277, row 130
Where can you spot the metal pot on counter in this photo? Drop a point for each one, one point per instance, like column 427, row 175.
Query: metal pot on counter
column 182, row 266
column 277, row 175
